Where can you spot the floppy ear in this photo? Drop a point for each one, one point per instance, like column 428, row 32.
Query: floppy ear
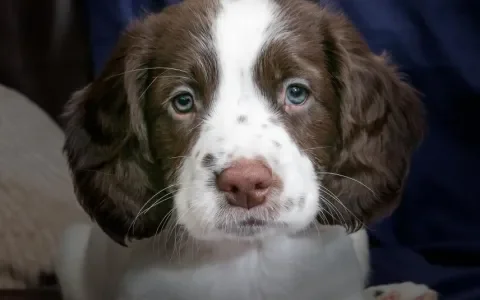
column 380, row 125
column 107, row 142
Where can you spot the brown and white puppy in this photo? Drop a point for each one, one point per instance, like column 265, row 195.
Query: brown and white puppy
column 226, row 132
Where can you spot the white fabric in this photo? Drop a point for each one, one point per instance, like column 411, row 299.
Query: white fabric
column 36, row 193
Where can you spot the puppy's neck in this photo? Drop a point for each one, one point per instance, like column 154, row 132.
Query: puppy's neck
column 177, row 248
column 290, row 264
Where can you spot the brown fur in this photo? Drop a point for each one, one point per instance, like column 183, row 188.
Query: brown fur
column 119, row 155
column 123, row 146
column 366, row 122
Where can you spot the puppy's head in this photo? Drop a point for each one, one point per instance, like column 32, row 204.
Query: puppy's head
column 241, row 119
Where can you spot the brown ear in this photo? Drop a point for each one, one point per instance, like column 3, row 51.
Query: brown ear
column 107, row 142
column 380, row 125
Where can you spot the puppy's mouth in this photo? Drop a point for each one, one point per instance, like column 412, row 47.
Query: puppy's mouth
column 251, row 226
column 252, row 222
column 258, row 223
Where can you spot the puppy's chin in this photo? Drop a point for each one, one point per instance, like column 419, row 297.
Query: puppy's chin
column 223, row 222
column 242, row 232
column 255, row 229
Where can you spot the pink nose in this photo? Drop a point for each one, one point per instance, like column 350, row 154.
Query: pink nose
column 246, row 183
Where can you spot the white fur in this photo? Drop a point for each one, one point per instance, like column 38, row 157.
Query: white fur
column 240, row 31
column 282, row 263
column 304, row 267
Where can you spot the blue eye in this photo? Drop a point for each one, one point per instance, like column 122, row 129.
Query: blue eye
column 183, row 103
column 296, row 94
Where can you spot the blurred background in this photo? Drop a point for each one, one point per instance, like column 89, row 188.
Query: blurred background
column 44, row 56
column 48, row 49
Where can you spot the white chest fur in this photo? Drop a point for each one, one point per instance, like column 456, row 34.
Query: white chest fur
column 289, row 267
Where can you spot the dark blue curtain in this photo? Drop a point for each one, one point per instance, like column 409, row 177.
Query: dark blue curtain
column 107, row 18
column 434, row 236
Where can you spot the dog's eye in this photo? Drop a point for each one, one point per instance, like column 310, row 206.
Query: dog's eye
column 183, row 103
column 296, row 94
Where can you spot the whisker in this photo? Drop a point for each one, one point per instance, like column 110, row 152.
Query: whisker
column 146, row 69
column 156, row 236
column 148, row 86
column 162, row 199
column 132, row 225
column 314, row 148
column 331, row 194
column 332, row 210
column 175, row 236
column 166, row 197
column 347, row 177
column 323, row 216
column 317, row 228
column 198, row 125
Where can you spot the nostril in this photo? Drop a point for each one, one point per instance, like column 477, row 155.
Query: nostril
column 246, row 183
column 263, row 185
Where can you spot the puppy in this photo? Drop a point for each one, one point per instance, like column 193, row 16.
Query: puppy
column 226, row 152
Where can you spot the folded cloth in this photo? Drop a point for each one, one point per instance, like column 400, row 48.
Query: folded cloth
column 36, row 194
column 434, row 236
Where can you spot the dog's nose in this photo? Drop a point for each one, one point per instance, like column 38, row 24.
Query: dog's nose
column 246, row 183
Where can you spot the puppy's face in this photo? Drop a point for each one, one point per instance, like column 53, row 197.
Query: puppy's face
column 240, row 119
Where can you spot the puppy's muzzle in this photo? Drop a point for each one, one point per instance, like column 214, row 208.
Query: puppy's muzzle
column 246, row 183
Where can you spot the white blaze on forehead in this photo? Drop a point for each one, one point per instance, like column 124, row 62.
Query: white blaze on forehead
column 240, row 31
